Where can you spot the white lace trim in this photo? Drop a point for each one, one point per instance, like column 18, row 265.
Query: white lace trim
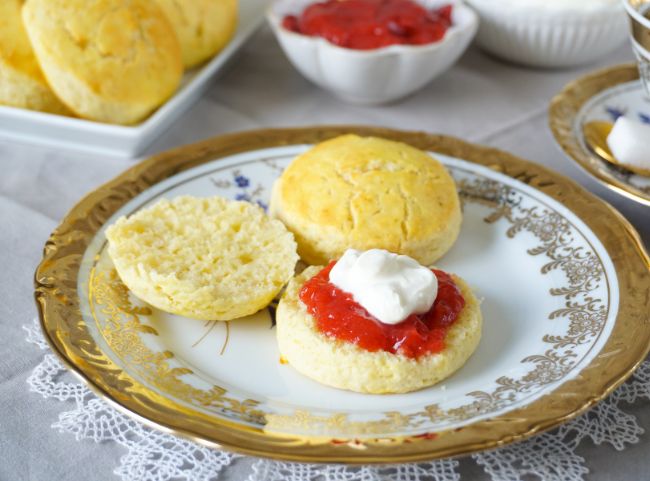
column 156, row 456
column 444, row 470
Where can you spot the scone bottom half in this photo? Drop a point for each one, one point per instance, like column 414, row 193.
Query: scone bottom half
column 344, row 365
column 203, row 258
column 367, row 192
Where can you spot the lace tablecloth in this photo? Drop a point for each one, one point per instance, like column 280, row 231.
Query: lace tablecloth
column 480, row 100
column 156, row 456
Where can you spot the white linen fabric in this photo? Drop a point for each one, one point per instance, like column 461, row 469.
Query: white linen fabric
column 481, row 100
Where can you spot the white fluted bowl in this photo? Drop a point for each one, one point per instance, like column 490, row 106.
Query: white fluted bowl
column 372, row 76
column 552, row 33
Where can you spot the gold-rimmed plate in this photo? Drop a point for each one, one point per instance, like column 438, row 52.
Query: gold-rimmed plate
column 563, row 277
column 601, row 96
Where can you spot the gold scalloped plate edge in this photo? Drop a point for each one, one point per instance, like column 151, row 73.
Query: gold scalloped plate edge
column 61, row 320
column 566, row 105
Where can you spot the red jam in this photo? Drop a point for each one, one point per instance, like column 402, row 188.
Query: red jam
column 370, row 24
column 339, row 316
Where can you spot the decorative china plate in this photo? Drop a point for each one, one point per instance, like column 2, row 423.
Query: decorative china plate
column 128, row 140
column 604, row 95
column 563, row 278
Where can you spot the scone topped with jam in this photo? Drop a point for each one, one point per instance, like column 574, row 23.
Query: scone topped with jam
column 377, row 322
column 367, row 192
column 203, row 258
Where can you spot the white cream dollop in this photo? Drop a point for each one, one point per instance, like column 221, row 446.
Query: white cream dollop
column 629, row 141
column 389, row 286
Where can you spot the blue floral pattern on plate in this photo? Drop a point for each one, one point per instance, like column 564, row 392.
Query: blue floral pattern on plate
column 242, row 184
column 616, row 112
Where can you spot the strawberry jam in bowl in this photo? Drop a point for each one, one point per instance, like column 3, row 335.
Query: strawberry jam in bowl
column 372, row 51
column 371, row 24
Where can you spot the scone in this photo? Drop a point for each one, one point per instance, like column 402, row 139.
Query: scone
column 367, row 192
column 344, row 365
column 204, row 27
column 203, row 258
column 108, row 60
column 22, row 83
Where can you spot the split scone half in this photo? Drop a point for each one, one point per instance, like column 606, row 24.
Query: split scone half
column 344, row 365
column 203, row 258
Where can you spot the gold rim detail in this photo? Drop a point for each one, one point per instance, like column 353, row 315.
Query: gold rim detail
column 563, row 111
column 58, row 303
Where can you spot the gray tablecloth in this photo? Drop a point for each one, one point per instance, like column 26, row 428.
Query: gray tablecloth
column 481, row 100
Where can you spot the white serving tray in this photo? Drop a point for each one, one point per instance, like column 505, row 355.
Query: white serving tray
column 85, row 135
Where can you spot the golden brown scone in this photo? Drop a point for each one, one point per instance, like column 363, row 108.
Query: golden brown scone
column 204, row 27
column 344, row 365
column 366, row 192
column 22, row 83
column 107, row 60
column 203, row 258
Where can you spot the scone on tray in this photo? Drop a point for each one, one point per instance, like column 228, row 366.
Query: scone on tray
column 107, row 60
column 203, row 258
column 343, row 364
column 367, row 192
column 204, row 27
column 22, row 83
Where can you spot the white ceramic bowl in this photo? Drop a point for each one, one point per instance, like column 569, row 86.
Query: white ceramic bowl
column 372, row 76
column 550, row 33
